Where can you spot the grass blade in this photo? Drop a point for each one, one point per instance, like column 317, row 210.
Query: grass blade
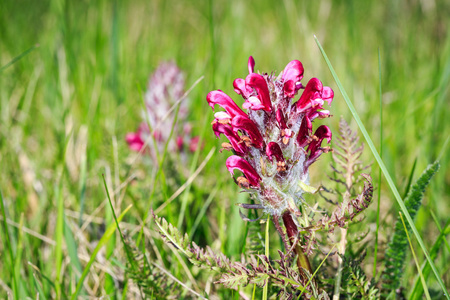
column 105, row 238
column 129, row 255
column 383, row 168
column 315, row 272
column 39, row 288
column 379, row 174
column 59, row 231
column 424, row 284
column 18, row 258
column 18, row 57
column 72, row 249
column 417, row 291
column 10, row 249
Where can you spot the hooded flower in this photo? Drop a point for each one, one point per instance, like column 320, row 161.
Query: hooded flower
column 273, row 143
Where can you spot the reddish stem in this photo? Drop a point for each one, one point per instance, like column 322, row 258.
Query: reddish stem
column 292, row 232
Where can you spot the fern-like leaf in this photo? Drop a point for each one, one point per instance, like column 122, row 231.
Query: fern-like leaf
column 258, row 269
column 255, row 242
column 346, row 154
column 355, row 284
column 396, row 251
column 150, row 280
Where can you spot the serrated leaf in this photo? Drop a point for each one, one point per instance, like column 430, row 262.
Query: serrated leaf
column 397, row 248
column 233, row 281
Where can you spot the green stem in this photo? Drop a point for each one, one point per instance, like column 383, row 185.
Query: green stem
column 337, row 287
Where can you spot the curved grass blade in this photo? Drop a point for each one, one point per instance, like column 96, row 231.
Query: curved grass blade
column 41, row 293
column 422, row 279
column 105, row 238
column 379, row 174
column 315, row 272
column 417, row 291
column 383, row 168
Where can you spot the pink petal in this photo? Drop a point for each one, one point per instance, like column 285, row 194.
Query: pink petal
column 322, row 114
column 251, row 65
column 253, row 103
column 234, row 139
column 293, row 72
column 221, row 115
column 193, row 144
column 327, row 94
column 134, row 141
column 258, row 82
column 235, row 162
column 273, row 149
column 241, row 88
column 290, row 88
column 312, row 91
column 223, row 100
column 304, row 132
column 247, row 125
column 179, row 141
column 280, row 118
column 322, row 132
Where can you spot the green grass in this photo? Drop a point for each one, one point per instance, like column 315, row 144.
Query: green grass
column 66, row 106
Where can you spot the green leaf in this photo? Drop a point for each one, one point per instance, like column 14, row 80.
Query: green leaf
column 396, row 251
column 233, row 281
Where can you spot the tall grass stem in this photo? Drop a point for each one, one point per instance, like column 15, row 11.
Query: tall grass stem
column 384, row 169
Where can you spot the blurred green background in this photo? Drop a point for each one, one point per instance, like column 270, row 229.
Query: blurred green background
column 82, row 87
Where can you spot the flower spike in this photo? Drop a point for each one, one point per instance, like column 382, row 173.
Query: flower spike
column 274, row 127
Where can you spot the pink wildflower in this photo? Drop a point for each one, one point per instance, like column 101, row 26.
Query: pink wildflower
column 165, row 87
column 273, row 144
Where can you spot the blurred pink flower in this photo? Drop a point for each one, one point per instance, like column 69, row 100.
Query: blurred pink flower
column 165, row 87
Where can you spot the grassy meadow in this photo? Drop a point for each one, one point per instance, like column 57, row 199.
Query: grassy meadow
column 72, row 79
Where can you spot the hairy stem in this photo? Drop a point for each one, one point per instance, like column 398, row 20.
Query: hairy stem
column 292, row 232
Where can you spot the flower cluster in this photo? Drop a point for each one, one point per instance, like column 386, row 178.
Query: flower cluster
column 273, row 143
column 165, row 87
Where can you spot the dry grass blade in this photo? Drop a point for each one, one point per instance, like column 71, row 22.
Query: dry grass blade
column 186, row 184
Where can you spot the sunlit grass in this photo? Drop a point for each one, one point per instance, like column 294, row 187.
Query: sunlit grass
column 66, row 106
